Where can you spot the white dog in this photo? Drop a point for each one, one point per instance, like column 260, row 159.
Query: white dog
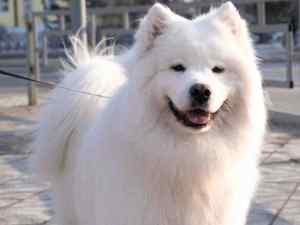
column 178, row 141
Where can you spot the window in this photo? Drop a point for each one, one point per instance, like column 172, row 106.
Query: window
column 3, row 6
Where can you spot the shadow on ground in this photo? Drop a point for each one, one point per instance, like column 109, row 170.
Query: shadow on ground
column 284, row 122
column 258, row 216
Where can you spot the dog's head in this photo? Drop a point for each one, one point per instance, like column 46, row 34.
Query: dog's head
column 196, row 70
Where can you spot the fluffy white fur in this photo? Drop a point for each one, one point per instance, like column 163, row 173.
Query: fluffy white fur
column 126, row 160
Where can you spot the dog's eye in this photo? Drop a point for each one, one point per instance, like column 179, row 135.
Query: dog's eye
column 218, row 69
column 178, row 68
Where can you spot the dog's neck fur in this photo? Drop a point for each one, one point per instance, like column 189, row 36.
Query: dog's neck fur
column 190, row 188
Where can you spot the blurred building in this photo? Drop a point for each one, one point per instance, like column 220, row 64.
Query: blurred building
column 12, row 12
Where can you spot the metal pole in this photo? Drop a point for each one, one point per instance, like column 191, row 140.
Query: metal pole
column 261, row 13
column 126, row 21
column 45, row 49
column 93, row 30
column 290, row 48
column 62, row 22
column 78, row 18
column 298, row 42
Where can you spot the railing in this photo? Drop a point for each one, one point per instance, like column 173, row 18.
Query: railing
column 194, row 8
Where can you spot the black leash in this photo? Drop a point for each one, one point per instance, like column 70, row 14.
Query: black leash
column 48, row 84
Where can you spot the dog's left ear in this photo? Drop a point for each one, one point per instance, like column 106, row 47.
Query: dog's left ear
column 230, row 17
column 153, row 24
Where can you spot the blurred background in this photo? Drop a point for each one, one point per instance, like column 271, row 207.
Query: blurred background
column 273, row 23
column 54, row 15
column 33, row 38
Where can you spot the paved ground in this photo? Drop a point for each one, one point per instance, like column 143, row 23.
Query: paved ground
column 26, row 202
column 22, row 200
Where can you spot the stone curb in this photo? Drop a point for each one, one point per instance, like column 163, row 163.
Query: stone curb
column 284, row 120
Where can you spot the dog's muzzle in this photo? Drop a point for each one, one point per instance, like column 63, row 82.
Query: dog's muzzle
column 195, row 118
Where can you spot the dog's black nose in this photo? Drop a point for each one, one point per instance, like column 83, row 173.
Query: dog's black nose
column 200, row 94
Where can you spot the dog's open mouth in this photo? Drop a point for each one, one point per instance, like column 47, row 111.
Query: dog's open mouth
column 195, row 118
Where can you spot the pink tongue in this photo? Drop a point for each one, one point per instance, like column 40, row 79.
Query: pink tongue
column 200, row 118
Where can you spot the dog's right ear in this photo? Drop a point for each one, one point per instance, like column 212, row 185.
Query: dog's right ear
column 153, row 24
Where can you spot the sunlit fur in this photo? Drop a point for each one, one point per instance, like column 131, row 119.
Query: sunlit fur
column 125, row 160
